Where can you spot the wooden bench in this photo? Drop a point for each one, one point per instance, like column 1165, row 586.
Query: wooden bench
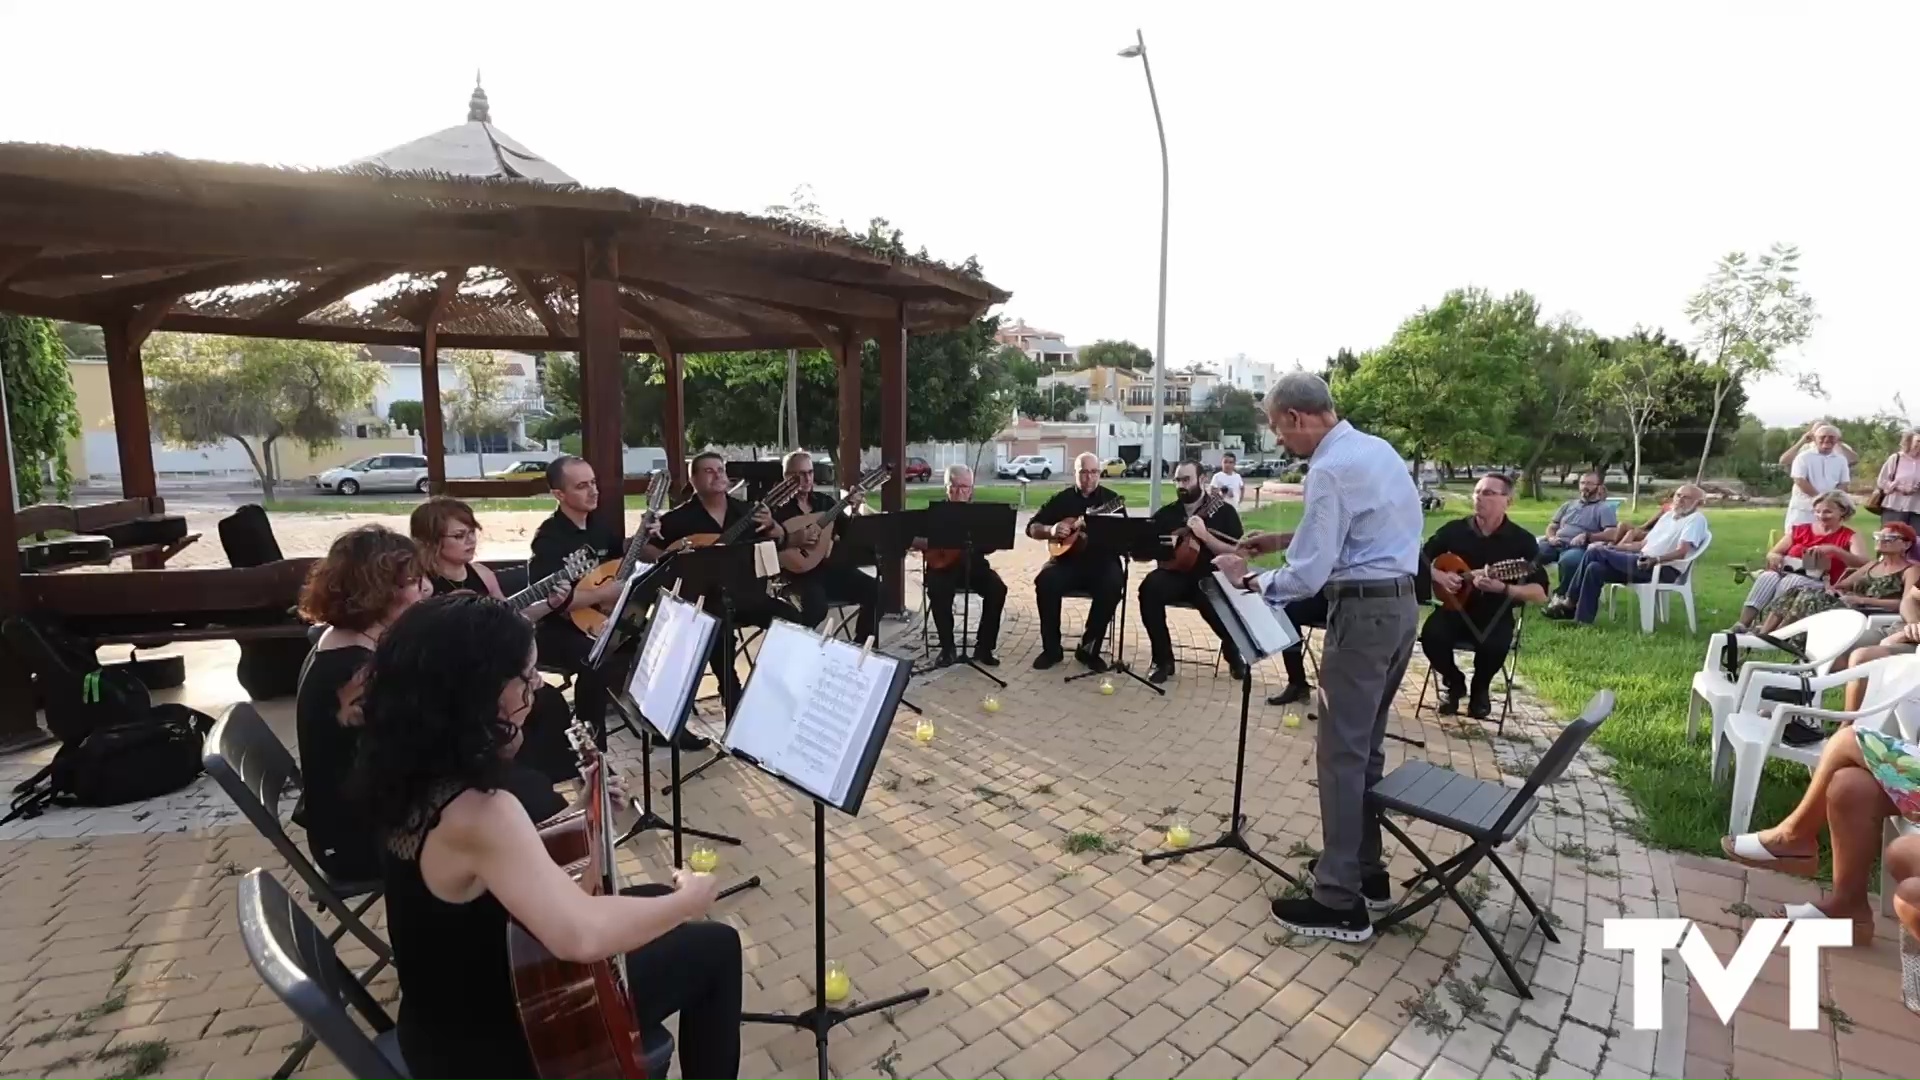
column 146, row 608
column 139, row 529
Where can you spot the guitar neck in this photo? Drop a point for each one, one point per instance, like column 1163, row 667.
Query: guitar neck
column 536, row 592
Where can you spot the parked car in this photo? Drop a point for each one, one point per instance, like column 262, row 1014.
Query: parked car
column 1259, row 470
column 917, row 469
column 526, row 469
column 1114, row 467
column 1029, row 466
column 382, row 472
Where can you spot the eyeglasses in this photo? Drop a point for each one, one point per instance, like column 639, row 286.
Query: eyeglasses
column 460, row 536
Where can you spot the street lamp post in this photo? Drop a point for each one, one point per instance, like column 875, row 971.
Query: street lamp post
column 1139, row 49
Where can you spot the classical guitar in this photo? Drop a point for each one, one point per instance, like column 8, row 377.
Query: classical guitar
column 572, row 569
column 1188, row 552
column 578, row 1018
column 1077, row 528
column 802, row 559
column 589, row 619
column 1511, row 571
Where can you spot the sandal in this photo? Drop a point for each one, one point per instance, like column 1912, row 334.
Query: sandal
column 1862, row 928
column 1747, row 850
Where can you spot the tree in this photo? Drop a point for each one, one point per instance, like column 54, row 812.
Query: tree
column 256, row 392
column 1633, row 381
column 1117, row 354
column 1019, row 368
column 42, row 412
column 411, row 415
column 1053, row 402
column 1747, row 315
column 82, row 339
column 1554, row 393
column 1341, row 364
column 642, row 399
column 475, row 406
column 1443, row 385
column 1228, row 411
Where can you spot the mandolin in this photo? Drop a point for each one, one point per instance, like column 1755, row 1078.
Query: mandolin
column 733, row 534
column 801, row 560
column 1511, row 571
column 590, row 619
column 1188, row 552
column 578, row 1018
column 1077, row 528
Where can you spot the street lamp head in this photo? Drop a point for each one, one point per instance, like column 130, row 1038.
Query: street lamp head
column 1132, row 51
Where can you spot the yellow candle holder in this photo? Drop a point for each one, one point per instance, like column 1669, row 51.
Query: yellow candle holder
column 1179, row 834
column 990, row 703
column 1106, row 687
column 702, row 859
column 1291, row 720
column 923, row 731
column 838, row 984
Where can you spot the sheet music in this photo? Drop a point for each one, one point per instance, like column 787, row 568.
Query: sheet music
column 607, row 629
column 1268, row 627
column 667, row 672
column 810, row 708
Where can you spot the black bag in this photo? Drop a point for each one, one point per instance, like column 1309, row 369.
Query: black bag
column 155, row 755
column 79, row 694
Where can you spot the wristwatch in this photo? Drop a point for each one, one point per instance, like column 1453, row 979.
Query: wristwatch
column 1248, row 582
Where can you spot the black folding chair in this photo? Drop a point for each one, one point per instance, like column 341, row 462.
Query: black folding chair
column 253, row 767
column 1509, row 673
column 1489, row 814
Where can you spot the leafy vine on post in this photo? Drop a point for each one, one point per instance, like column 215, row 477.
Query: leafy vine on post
column 256, row 391
column 42, row 411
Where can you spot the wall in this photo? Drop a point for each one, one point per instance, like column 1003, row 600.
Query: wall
column 297, row 460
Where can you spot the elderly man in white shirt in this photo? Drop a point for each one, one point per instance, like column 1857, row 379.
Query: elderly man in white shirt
column 1358, row 543
column 1817, row 469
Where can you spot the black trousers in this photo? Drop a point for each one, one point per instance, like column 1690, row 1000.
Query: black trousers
column 816, row 592
column 979, row 579
column 564, row 647
column 1445, row 630
column 693, row 969
column 1304, row 612
column 1162, row 587
column 1101, row 576
column 751, row 609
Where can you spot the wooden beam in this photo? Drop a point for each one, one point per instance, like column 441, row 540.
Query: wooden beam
column 846, row 458
column 600, row 375
column 17, row 714
column 664, row 328
column 893, row 450
column 93, row 264
column 235, row 272
column 692, row 301
column 537, row 300
column 707, row 273
column 673, row 417
column 334, row 289
column 433, row 432
column 13, row 259
column 127, row 387
column 142, row 320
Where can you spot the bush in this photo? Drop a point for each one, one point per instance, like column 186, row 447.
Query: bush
column 1293, row 476
column 1760, row 478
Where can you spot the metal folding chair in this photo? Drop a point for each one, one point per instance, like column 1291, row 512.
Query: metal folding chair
column 1489, row 814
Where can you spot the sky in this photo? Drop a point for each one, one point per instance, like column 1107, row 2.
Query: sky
column 1335, row 167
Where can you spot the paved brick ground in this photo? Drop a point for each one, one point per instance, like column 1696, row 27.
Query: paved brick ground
column 119, row 933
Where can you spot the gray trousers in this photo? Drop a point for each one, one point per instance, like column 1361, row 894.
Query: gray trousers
column 1369, row 643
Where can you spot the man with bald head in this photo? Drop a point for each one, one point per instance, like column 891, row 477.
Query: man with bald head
column 1680, row 532
column 944, row 584
column 1081, row 569
column 1821, row 465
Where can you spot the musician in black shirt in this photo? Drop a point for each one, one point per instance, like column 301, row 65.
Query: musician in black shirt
column 1483, row 539
column 1081, row 569
column 830, row 581
column 1218, row 532
column 943, row 583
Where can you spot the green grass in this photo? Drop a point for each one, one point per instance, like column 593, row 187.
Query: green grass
column 1650, row 675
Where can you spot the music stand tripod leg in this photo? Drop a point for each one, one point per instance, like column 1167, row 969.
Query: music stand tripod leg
column 727, row 700
column 645, row 820
column 1233, row 839
column 822, row 1018
column 678, row 862
column 1120, row 664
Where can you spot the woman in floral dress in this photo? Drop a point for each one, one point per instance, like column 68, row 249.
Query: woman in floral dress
column 1875, row 588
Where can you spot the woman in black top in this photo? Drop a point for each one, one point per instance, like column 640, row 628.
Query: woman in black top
column 369, row 576
column 450, row 686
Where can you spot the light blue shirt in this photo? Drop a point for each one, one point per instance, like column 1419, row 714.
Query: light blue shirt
column 1362, row 520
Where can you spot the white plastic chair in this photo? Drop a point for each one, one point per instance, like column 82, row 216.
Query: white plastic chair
column 1654, row 594
column 1825, row 637
column 1754, row 737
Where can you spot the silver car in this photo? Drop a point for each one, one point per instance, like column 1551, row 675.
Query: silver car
column 381, row 472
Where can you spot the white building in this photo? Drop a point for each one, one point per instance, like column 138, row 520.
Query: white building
column 1252, row 375
column 522, row 394
column 1044, row 347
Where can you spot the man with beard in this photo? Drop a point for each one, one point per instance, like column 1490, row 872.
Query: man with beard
column 1217, row 534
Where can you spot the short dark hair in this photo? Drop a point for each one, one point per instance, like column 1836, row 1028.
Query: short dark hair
column 557, row 470
column 700, row 457
column 1229, row 454
column 1197, row 467
column 1506, row 481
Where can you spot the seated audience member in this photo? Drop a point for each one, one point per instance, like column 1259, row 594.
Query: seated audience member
column 1483, row 538
column 1875, row 588
column 367, row 578
column 1862, row 779
column 1678, row 533
column 1904, row 641
column 1579, row 522
column 1810, row 556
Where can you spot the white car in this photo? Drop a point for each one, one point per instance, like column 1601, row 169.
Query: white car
column 1029, row 467
column 382, row 472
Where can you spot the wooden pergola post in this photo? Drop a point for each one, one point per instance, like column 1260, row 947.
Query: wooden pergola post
column 846, row 456
column 893, row 448
column 673, row 412
column 17, row 719
column 127, row 388
column 433, row 432
column 600, row 382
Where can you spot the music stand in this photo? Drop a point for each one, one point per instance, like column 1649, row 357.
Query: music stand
column 1274, row 634
column 718, row 571
column 1119, row 536
column 973, row 529
column 887, row 536
column 771, row 720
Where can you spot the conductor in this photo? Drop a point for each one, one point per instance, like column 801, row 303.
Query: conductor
column 1358, row 544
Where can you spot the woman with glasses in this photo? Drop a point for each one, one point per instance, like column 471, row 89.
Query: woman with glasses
column 449, row 689
column 1875, row 588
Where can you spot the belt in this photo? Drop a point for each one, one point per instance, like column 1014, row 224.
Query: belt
column 1379, row 589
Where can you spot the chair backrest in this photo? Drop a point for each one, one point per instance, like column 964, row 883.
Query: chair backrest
column 299, row 965
column 1830, row 635
column 1890, row 680
column 1685, row 569
column 1553, row 764
column 253, row 767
